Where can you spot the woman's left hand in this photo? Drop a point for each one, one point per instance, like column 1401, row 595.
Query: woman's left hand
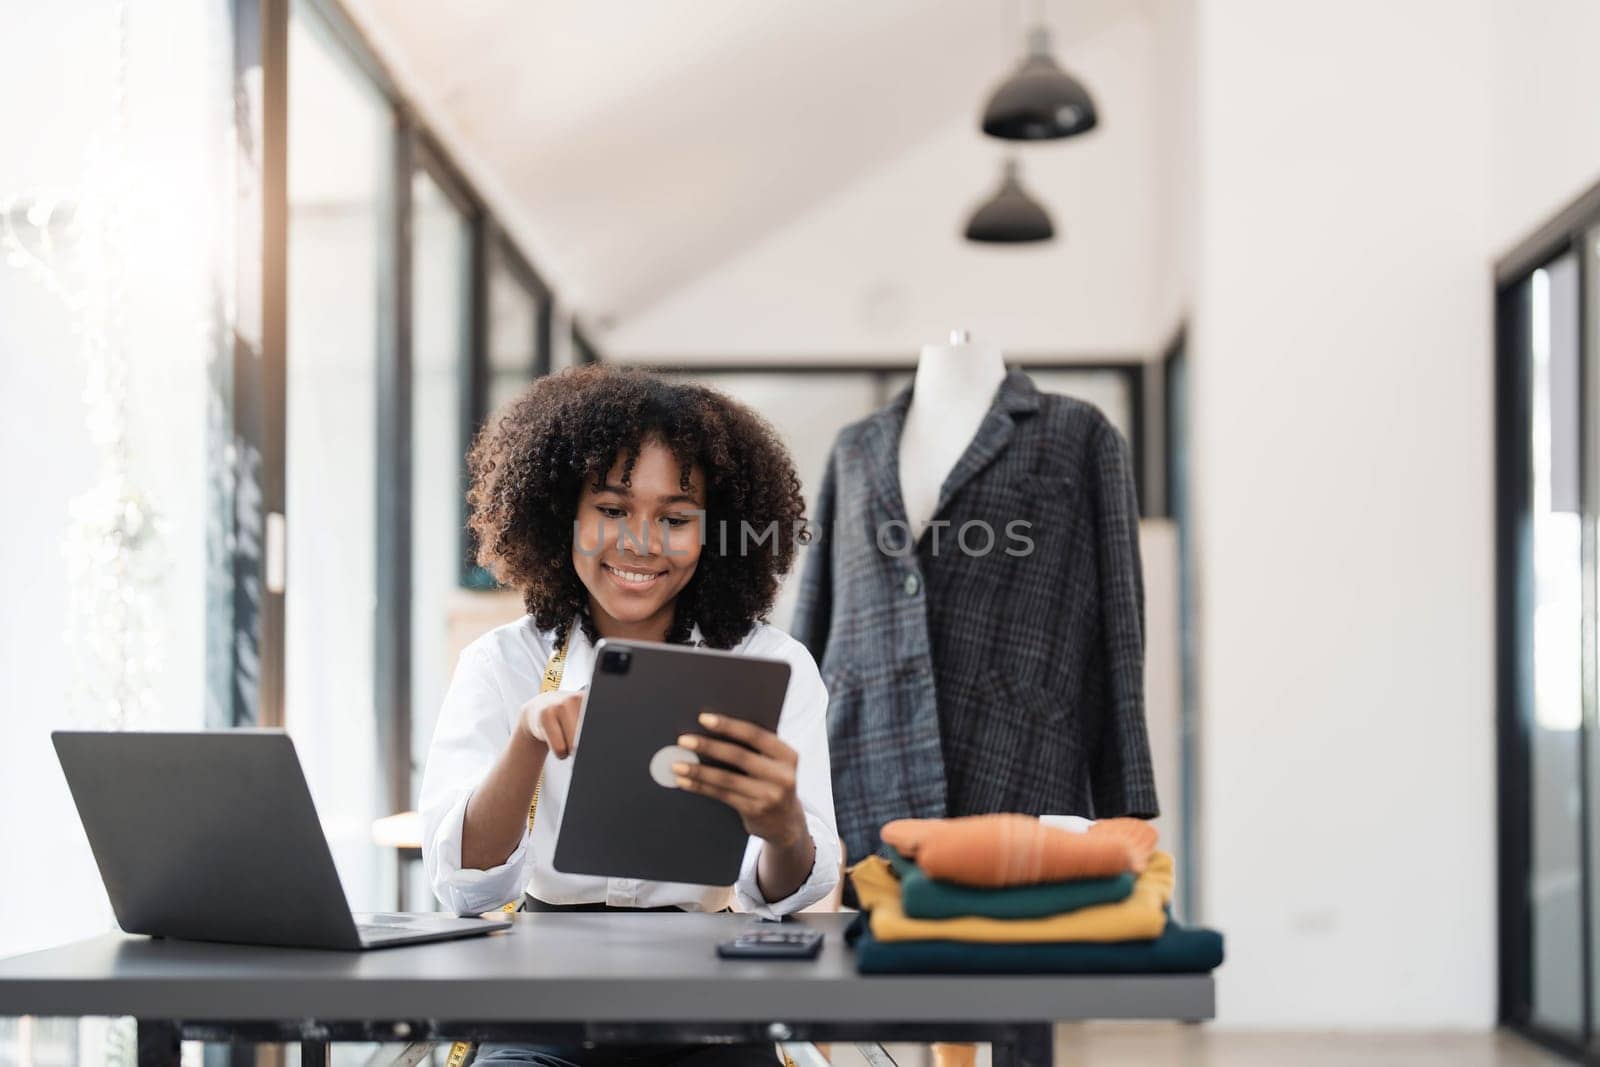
column 761, row 787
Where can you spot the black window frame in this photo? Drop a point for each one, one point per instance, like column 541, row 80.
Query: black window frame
column 495, row 240
column 1177, row 488
column 584, row 353
column 472, row 377
column 245, row 674
column 1570, row 232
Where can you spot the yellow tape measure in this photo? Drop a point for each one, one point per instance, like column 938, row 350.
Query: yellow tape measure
column 549, row 684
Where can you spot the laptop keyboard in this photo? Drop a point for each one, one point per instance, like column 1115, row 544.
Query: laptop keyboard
column 390, row 926
column 386, row 926
column 388, row 932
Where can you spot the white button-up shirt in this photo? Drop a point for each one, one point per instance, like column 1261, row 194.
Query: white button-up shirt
column 498, row 674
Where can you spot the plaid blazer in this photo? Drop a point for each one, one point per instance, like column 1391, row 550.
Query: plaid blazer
column 981, row 672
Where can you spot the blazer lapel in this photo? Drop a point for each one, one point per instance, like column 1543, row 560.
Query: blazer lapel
column 882, row 448
column 1017, row 395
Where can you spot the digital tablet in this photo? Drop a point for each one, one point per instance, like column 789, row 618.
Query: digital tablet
column 624, row 817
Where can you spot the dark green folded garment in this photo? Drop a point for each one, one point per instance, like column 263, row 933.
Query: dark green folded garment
column 928, row 898
column 1179, row 950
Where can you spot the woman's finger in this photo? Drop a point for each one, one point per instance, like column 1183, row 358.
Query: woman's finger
column 571, row 719
column 742, row 784
column 763, row 741
column 745, row 806
column 565, row 715
column 556, row 731
column 753, row 764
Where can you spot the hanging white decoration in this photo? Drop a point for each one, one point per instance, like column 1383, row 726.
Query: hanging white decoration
column 74, row 245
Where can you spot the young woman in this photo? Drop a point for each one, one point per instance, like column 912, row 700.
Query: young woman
column 616, row 504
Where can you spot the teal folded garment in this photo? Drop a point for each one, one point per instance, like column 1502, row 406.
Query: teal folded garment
column 928, row 898
column 1179, row 950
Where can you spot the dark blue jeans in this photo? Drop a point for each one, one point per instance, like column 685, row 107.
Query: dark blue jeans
column 763, row 1055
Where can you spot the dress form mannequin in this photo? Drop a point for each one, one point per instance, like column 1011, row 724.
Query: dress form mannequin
column 954, row 389
column 955, row 385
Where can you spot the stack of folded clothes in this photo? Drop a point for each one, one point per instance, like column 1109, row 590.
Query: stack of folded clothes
column 1008, row 894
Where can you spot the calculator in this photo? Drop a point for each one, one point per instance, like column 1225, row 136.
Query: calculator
column 778, row 943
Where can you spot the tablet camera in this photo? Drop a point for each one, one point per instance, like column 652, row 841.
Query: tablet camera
column 615, row 661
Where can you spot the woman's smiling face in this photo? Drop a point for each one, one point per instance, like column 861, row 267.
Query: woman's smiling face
column 635, row 546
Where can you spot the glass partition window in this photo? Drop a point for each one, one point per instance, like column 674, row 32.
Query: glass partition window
column 1180, row 509
column 808, row 409
column 513, row 329
column 441, row 320
column 112, row 421
column 1590, row 435
column 340, row 147
column 1548, row 536
column 1555, row 881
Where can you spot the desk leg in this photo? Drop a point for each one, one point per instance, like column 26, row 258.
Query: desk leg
column 158, row 1043
column 314, row 1054
column 1031, row 1046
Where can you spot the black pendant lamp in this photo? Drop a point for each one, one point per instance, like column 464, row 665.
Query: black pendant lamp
column 1040, row 101
column 1010, row 216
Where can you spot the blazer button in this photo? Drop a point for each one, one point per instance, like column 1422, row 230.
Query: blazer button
column 913, row 585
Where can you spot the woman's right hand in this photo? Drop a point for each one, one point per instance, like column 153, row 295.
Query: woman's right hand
column 552, row 720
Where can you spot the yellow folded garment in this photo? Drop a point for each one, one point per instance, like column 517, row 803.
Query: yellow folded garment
column 1140, row 917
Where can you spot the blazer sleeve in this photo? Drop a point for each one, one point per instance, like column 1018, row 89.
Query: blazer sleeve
column 1123, row 782
column 813, row 613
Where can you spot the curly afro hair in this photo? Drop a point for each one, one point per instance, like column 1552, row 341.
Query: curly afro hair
column 527, row 470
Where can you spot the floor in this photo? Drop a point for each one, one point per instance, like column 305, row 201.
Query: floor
column 1176, row 1045
column 1169, row 1045
column 1173, row 1045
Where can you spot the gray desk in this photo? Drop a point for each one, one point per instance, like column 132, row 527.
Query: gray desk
column 565, row 977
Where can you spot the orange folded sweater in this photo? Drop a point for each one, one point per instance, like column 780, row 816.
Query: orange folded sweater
column 1007, row 850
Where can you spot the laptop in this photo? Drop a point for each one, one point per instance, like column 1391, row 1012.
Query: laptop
column 213, row 836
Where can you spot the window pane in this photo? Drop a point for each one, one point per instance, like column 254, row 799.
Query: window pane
column 1592, row 247
column 110, row 325
column 1555, row 889
column 1180, row 511
column 513, row 322
column 441, row 317
column 339, row 148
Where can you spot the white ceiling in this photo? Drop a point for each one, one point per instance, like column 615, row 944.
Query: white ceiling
column 644, row 142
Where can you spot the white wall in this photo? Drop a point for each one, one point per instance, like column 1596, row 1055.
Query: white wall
column 1342, row 373
column 1546, row 119
column 881, row 267
column 1175, row 150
